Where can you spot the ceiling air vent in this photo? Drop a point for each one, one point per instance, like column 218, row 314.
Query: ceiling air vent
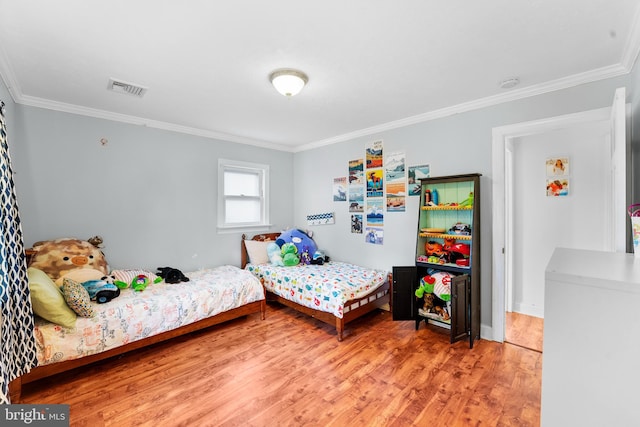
column 127, row 88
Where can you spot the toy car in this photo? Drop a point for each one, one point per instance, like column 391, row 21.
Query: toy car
column 101, row 291
column 459, row 228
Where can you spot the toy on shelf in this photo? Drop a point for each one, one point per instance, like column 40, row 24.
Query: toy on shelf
column 435, row 290
column 468, row 201
column 460, row 228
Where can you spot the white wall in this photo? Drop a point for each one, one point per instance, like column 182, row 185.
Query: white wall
column 542, row 223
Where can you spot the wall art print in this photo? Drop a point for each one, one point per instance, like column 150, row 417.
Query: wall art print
column 356, row 224
column 375, row 182
column 557, row 166
column 414, row 175
column 374, row 155
column 340, row 189
column 396, row 182
column 557, row 182
column 356, row 199
column 375, row 214
column 374, row 235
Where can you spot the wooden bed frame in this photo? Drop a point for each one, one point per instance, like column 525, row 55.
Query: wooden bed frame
column 39, row 372
column 352, row 309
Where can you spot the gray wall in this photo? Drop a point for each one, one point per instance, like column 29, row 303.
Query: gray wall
column 453, row 145
column 151, row 194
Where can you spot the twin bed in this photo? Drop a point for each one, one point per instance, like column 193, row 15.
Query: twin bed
column 138, row 319
column 335, row 293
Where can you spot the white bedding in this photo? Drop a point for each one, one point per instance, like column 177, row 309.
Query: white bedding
column 159, row 308
column 324, row 287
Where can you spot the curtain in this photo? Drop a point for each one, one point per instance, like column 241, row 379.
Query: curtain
column 17, row 343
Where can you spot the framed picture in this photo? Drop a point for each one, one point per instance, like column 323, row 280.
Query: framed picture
column 557, row 166
column 557, row 187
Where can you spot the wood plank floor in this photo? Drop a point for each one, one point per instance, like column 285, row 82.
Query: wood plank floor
column 525, row 331
column 290, row 370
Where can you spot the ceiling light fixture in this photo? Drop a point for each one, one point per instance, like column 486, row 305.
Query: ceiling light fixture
column 288, row 82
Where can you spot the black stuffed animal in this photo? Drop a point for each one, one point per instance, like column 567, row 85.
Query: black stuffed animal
column 172, row 275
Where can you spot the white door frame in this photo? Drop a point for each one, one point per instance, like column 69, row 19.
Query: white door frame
column 503, row 138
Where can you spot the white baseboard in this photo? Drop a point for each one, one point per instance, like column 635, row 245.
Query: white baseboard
column 529, row 309
column 486, row 332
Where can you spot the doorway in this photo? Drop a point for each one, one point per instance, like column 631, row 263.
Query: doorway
column 528, row 225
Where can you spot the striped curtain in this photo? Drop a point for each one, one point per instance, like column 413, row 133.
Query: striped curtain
column 17, row 344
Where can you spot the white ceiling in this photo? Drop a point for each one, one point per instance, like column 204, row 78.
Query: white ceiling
column 372, row 64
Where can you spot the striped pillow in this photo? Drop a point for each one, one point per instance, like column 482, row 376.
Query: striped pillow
column 127, row 276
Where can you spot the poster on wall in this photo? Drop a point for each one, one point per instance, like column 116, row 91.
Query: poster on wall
column 356, row 172
column 396, row 196
column 356, row 199
column 375, row 182
column 340, row 189
column 557, row 187
column 375, row 214
column 374, row 155
column 396, row 182
column 558, row 166
column 356, row 224
column 356, row 185
column 374, row 235
column 415, row 174
column 557, row 183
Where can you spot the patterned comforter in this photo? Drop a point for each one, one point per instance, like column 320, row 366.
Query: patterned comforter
column 322, row 287
column 159, row 308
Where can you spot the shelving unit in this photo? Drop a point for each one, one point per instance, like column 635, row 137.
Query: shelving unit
column 447, row 249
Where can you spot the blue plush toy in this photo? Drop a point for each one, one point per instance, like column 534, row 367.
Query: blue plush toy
column 274, row 253
column 299, row 238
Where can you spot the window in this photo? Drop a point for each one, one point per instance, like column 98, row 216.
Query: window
column 242, row 194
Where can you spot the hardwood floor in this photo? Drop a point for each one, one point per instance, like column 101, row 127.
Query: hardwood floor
column 290, row 370
column 524, row 331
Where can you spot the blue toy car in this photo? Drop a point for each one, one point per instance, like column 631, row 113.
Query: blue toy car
column 101, row 291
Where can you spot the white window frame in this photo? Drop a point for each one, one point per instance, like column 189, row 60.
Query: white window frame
column 262, row 171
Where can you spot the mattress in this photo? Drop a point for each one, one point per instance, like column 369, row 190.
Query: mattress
column 159, row 308
column 324, row 287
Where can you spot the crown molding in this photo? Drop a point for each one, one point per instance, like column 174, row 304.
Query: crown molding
column 8, row 76
column 513, row 95
column 632, row 48
column 629, row 57
column 124, row 118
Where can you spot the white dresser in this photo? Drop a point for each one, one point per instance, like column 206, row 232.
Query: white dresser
column 591, row 358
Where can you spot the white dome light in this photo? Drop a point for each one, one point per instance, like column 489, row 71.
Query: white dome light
column 288, row 82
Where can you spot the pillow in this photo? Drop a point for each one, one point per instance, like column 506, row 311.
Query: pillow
column 127, row 276
column 47, row 300
column 257, row 251
column 81, row 275
column 77, row 298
